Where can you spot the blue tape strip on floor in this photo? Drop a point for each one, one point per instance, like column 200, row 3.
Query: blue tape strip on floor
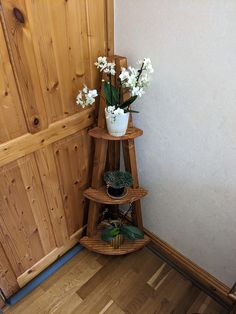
column 43, row 275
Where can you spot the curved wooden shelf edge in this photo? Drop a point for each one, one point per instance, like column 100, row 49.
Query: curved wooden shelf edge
column 101, row 133
column 100, row 195
column 96, row 244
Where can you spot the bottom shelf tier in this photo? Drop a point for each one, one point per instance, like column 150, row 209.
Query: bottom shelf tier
column 96, row 244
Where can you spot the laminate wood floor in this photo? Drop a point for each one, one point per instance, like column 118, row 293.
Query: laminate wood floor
column 137, row 283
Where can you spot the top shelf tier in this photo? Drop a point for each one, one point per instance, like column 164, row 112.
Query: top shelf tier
column 103, row 134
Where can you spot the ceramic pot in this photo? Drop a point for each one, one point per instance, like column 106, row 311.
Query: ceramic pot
column 115, row 192
column 117, row 125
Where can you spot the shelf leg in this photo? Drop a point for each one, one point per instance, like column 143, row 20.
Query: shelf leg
column 131, row 166
column 97, row 180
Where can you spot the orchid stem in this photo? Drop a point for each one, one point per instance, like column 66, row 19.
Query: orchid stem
column 110, row 88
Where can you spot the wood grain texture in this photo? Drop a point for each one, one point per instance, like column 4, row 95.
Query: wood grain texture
column 131, row 166
column 10, row 109
column 72, row 157
column 57, row 46
column 29, row 143
column 95, row 244
column 19, row 234
column 48, row 259
column 21, row 41
column 90, row 283
column 7, row 277
column 49, row 177
column 48, row 49
column 131, row 133
column 100, row 195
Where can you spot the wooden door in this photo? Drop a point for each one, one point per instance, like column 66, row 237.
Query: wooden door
column 47, row 52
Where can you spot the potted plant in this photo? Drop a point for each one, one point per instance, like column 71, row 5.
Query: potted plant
column 117, row 183
column 133, row 81
column 116, row 231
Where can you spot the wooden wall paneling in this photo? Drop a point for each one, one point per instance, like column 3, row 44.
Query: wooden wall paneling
column 50, row 181
column 39, row 23
column 19, row 234
column 82, row 16
column 10, row 104
column 96, row 26
column 29, row 143
column 109, row 20
column 66, row 36
column 22, row 49
column 8, row 280
column 72, row 159
column 48, row 51
column 31, row 180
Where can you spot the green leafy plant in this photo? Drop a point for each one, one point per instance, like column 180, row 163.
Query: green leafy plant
column 118, row 179
column 128, row 231
column 120, row 227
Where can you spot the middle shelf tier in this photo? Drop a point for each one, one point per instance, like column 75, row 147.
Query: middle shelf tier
column 100, row 195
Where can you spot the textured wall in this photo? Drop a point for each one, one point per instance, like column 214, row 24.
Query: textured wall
column 187, row 156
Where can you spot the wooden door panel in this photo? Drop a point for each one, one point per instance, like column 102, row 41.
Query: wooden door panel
column 50, row 181
column 7, row 277
column 33, row 187
column 19, row 233
column 56, row 45
column 47, row 52
column 73, row 165
column 22, row 49
column 10, row 105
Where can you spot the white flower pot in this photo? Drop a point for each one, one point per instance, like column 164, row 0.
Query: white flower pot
column 117, row 124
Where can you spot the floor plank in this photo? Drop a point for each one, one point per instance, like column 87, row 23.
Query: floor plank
column 137, row 283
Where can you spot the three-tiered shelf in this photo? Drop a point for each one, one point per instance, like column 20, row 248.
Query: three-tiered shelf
column 107, row 157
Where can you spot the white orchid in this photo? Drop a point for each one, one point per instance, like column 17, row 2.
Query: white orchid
column 86, row 97
column 137, row 80
column 115, row 112
column 110, row 68
column 137, row 91
column 134, row 80
column 124, row 75
column 147, row 65
column 101, row 63
column 104, row 66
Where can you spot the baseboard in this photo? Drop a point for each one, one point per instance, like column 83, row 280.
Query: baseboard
column 213, row 285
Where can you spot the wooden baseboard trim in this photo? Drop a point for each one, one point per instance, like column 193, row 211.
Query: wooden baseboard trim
column 213, row 285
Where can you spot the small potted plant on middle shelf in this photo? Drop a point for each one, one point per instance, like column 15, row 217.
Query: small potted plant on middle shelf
column 116, row 231
column 117, row 183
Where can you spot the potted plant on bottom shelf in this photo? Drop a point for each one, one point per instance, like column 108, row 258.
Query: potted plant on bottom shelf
column 117, row 183
column 131, row 81
column 116, row 232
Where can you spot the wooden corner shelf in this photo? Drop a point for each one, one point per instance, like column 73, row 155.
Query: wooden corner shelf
column 107, row 157
column 96, row 244
column 102, row 133
column 100, row 196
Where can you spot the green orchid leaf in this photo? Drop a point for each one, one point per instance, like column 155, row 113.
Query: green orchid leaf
column 132, row 232
column 128, row 102
column 131, row 110
column 107, row 92
column 109, row 233
column 115, row 95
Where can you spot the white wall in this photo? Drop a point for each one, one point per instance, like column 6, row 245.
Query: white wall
column 187, row 157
